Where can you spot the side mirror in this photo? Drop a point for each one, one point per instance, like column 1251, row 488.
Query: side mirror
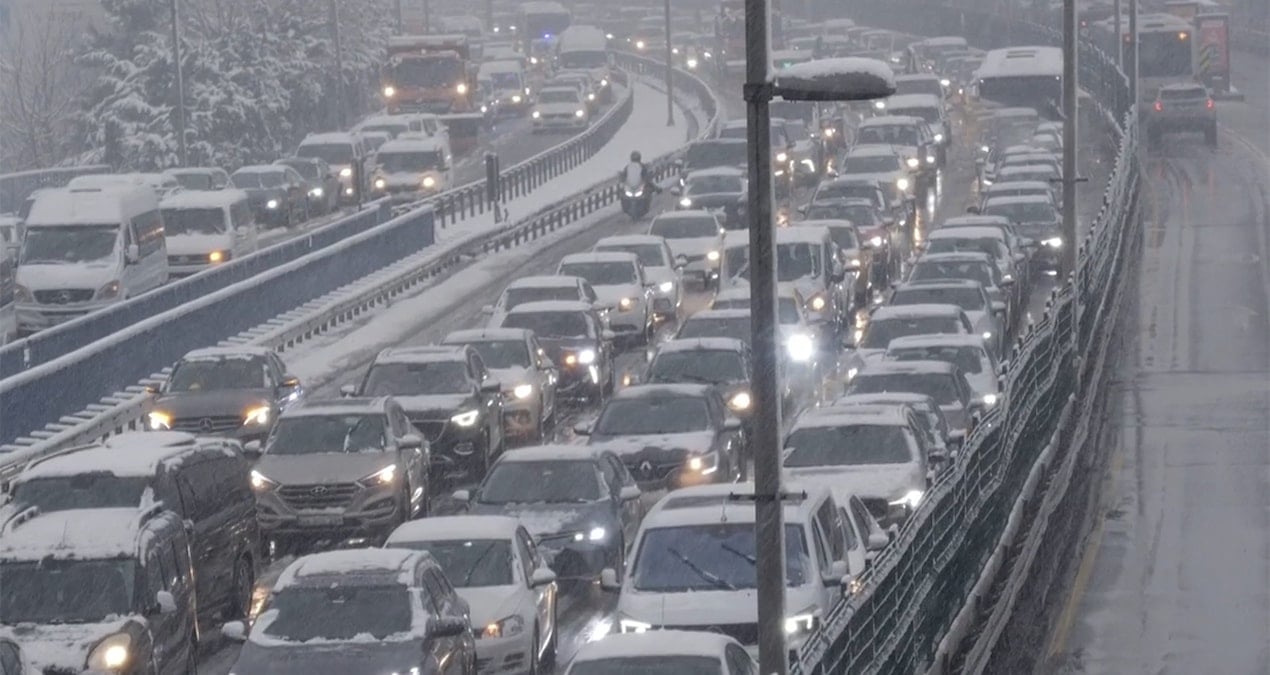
column 608, row 335
column 974, row 210
column 1007, row 282
column 491, row 386
column 253, row 450
column 681, row 261
column 348, row 390
column 165, row 602
column 447, row 627
column 803, row 209
column 629, row 492
column 582, row 429
column 676, row 191
column 487, row 309
column 543, row 576
column 462, row 496
column 877, row 541
column 411, row 442
column 732, row 424
column 234, row 630
column 133, row 255
column 998, row 307
column 608, row 580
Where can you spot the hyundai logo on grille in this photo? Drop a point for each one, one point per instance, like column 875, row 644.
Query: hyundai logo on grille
column 319, row 490
column 205, row 424
column 646, row 467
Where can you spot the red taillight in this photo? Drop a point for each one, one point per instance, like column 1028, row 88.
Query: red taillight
column 1159, row 106
column 1210, row 105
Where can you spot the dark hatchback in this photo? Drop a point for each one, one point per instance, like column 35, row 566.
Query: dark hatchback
column 574, row 337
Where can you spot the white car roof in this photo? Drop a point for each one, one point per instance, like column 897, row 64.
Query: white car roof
column 329, row 137
column 966, row 233
column 352, row 562
column 717, row 171
column 413, row 144
column 910, row 311
column 914, row 101
column 502, row 66
column 237, row 351
column 486, row 334
column 90, row 206
column 657, row 390
column 940, row 340
column 447, row 528
column 630, row 240
column 975, row 221
column 845, row 416
column 872, row 150
column 78, row 533
column 540, row 453
column 550, row 306
column 555, row 281
column 1021, row 199
column 194, row 199
column 131, row 454
column 887, row 120
column 425, row 354
column 704, row 343
column 712, row 504
column 600, row 257
column 655, row 643
column 916, row 367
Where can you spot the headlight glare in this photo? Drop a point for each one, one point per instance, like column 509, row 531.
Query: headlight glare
column 666, row 286
column 271, row 204
column 1054, row 242
column 461, row 88
column 626, row 304
column 685, row 202
column 740, row 401
column 380, row 183
column 390, row 91
column 712, row 256
column 346, row 172
column 429, row 182
column 597, row 534
column 535, row 114
column 782, row 157
column 901, row 183
column 818, row 303
column 579, row 113
column 800, row 624
column 384, row 476
column 259, row 481
column 912, row 162
column 111, row 654
column 159, row 420
column 800, row 347
column 507, row 627
column 910, row 499
column 258, row 415
column 586, row 357
column 466, row 418
column 523, row 391
column 633, row 626
column 989, row 400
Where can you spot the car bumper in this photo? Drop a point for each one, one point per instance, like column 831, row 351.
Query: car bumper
column 455, row 454
column 522, row 419
column 504, row 656
column 1182, row 122
column 577, row 560
column 543, row 123
column 632, row 322
column 372, row 514
column 33, row 317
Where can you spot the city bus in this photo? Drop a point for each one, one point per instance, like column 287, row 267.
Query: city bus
column 1029, row 77
column 1166, row 48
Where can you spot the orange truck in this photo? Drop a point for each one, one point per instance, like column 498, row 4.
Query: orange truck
column 428, row 73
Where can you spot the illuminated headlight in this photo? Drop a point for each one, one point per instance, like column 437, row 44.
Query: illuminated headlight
column 685, row 202
column 708, row 55
column 829, row 132
column 346, row 172
column 380, row 183
column 674, row 50
column 939, row 138
column 586, row 357
column 854, row 263
column 604, row 82
column 271, row 204
column 817, row 303
column 800, row 347
column 523, row 391
column 876, row 240
column 851, row 373
column 692, row 63
column 385, row 476
column 945, row 82
column 579, row 113
column 809, row 164
column 639, row 44
column 590, row 96
column 626, row 304
column 912, row 162
column 317, row 192
column 987, row 335
column 930, row 159
column 258, row 415
column 159, row 420
column 390, row 92
column 1054, row 242
column 989, row 400
column 462, row 88
column 535, row 114
column 512, row 625
column 712, row 256
column 517, row 98
column 484, row 108
column 597, row 534
column 740, row 401
column 533, row 60
column 429, row 182
column 259, row 481
column 879, row 105
column 782, row 157
column 911, row 499
column 901, row 183
column 800, row 624
column 704, row 464
column 633, row 626
column 985, row 149
column 111, row 654
column 216, row 256
column 666, row 286
column 466, row 418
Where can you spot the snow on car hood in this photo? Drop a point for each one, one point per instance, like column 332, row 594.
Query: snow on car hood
column 196, row 244
column 544, row 519
column 692, row 246
column 882, row 481
column 49, row 277
column 612, row 294
column 694, row 442
column 64, row 645
column 447, row 403
column 330, row 658
column 492, row 603
column 324, row 467
column 706, row 608
column 559, row 108
column 659, row 274
column 508, row 378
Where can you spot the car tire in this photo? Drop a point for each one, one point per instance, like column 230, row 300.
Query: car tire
column 244, row 586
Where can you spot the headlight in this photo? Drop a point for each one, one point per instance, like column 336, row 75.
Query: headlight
column 597, row 534
column 466, row 419
column 110, row 290
column 24, row 294
column 851, row 373
column 880, row 105
column 985, row 149
column 159, row 420
column 346, row 172
column 901, row 183
column 586, row 357
column 989, row 400
column 987, row 335
column 712, row 256
column 674, row 50
column 782, row 157
column 626, row 304
column 579, row 113
column 462, row 88
column 829, row 132
column 1054, row 242
column 271, row 204
column 911, row 499
column 523, row 391
column 516, row 98
column 800, row 624
column 876, row 241
column 384, row 476
column 912, row 162
column 380, row 183
column 692, row 63
column 666, row 286
column 800, row 347
column 817, row 303
column 945, row 82
column 939, row 138
column 740, row 401
column 429, row 182
column 258, row 415
column 685, row 202
column 217, row 256
column 639, row 44
column 854, row 263
column 704, row 464
column 111, row 654
column 633, row 626
column 535, row 114
column 604, row 82
column 533, row 60
column 390, row 92
column 590, row 96
column 930, row 159
column 512, row 625
column 317, row 192
column 259, row 481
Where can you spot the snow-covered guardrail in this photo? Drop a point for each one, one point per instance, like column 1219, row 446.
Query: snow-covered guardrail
column 344, row 302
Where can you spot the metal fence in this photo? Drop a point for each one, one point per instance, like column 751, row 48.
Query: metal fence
column 16, row 187
column 934, row 599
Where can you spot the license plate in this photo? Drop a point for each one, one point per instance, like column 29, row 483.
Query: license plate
column 321, row 521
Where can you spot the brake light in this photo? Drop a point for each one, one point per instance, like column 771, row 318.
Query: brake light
column 1210, row 105
column 1159, row 106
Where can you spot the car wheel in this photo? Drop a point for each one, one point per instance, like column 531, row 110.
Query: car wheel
column 244, row 584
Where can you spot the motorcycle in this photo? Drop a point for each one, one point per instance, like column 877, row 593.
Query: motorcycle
column 635, row 200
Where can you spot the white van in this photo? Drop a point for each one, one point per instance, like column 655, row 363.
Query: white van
column 341, row 150
column 506, row 88
column 204, row 229
column 411, row 167
column 84, row 249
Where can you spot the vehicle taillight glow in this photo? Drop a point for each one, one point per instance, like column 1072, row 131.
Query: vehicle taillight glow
column 1209, row 104
column 1159, row 107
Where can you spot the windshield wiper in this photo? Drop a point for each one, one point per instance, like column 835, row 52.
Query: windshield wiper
column 714, row 580
column 739, row 553
column 467, row 579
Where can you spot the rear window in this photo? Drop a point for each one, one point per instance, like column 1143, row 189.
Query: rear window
column 1182, row 94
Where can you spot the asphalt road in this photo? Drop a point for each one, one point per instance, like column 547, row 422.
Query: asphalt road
column 1176, row 575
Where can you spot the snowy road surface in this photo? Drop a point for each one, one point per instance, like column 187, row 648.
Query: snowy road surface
column 1176, row 577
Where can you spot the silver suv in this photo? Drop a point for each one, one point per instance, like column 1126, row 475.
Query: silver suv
column 1182, row 107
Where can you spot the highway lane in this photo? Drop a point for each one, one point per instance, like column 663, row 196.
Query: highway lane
column 1176, row 575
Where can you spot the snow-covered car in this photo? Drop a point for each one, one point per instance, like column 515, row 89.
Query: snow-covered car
column 659, row 266
column 495, row 567
column 712, row 323
column 541, row 289
column 12, row 658
column 909, row 137
column 712, row 153
column 206, row 228
column 84, row 590
column 412, row 168
column 967, row 294
column 343, row 151
column 940, row 380
column 578, row 502
column 506, row 88
column 670, row 435
column 804, row 152
column 323, row 184
column 989, row 240
column 514, row 357
column 931, row 418
column 449, row 395
column 968, row 352
column 721, row 190
column 878, row 163
column 619, row 281
column 803, row 341
column 695, row 238
column 1034, row 217
column 894, row 321
column 163, row 185
column 359, row 611
column 201, row 178
column 930, row 109
column 560, row 108
column 278, row 194
column 975, row 266
column 693, row 564
column 855, row 250
column 723, row 363
column 663, row 651
column 575, row 338
column 1016, row 188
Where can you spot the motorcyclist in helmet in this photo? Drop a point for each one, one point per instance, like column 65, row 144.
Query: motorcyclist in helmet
column 637, row 173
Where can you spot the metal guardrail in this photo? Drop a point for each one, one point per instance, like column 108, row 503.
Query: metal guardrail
column 931, row 599
column 126, row 409
column 16, row 187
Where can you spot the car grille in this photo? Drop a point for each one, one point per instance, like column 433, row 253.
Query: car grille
column 432, row 430
column 313, row 497
column 878, row 507
column 188, row 259
column 645, row 471
column 207, row 425
column 745, row 633
column 64, row 296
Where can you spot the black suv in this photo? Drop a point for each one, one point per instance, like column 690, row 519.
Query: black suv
column 450, row 396
column 203, row 480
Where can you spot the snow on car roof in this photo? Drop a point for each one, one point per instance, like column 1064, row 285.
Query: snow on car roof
column 716, row 171
column 600, row 257
column 78, row 533
column 567, row 89
column 545, row 453
column 424, row 354
column 887, row 120
column 970, row 232
column 917, row 367
column 237, row 351
column 654, row 643
column 194, row 199
column 899, row 397
column 937, row 283
column 827, row 222
column 913, row 101
column 1017, row 185
column 555, row 281
column 384, row 120
column 502, row 66
column 1022, row 199
column 701, row 344
column 959, row 256
column 329, row 137
column 720, row 314
column 354, row 562
column 686, row 214
column 800, row 235
column 872, row 151
column 911, row 311
column 359, row 405
column 845, row 416
column 412, row 144
column 447, row 528
column 706, row 504
column 132, row 454
column 942, row 340
column 630, row 240
column 89, row 206
column 485, row 334
column 663, row 391
column 976, row 220
column 551, row 306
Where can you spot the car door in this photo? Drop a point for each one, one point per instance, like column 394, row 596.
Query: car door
column 452, row 606
column 630, row 511
column 544, row 596
column 491, row 401
column 547, row 378
column 438, row 650
column 414, row 459
column 199, row 481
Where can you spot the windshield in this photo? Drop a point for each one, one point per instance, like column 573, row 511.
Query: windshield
column 519, row 296
column 96, row 490
column 551, row 324
column 194, row 181
column 707, row 154
column 417, row 379
column 793, row 261
column 713, row 185
column 427, row 72
column 1022, row 212
column 66, row 591
column 602, row 273
column 732, row 327
column 331, row 153
column 650, row 255
column 336, row 612
column 713, row 557
column 210, row 220
column 645, row 415
column 878, row 334
column 546, row 481
column 968, row 359
column 218, row 374
column 938, row 386
column 503, row 81
column 558, row 96
column 64, row 245
column 888, row 134
column 847, row 445
column 976, row 271
column 469, row 563
column 845, row 237
column 699, row 365
column 322, row 434
column 672, row 227
column 584, row 59
column 833, row 191
column 499, row 354
column 661, row 664
column 969, row 299
column 258, row 179
column 993, row 247
column 871, row 164
column 410, row 162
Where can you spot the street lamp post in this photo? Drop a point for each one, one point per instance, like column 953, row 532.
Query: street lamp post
column 183, row 153
column 339, row 66
column 670, row 83
column 1070, row 55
